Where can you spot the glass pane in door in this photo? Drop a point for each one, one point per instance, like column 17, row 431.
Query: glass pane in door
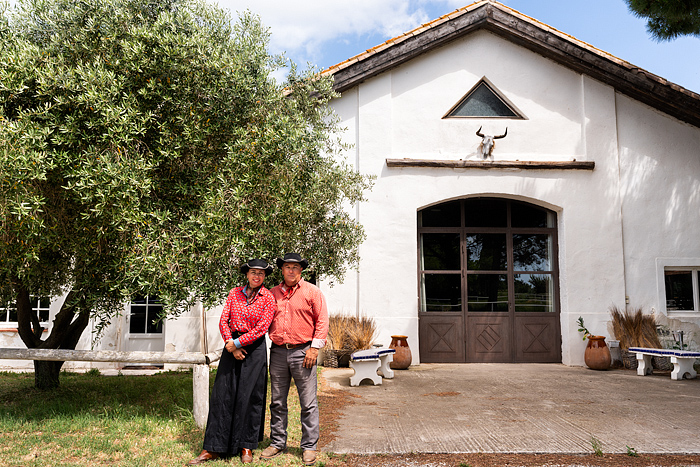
column 440, row 251
column 487, row 293
column 482, row 212
column 527, row 215
column 486, row 252
column 532, row 252
column 442, row 215
column 441, row 292
column 534, row 293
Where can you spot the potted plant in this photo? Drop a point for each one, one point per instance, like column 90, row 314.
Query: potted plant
column 597, row 353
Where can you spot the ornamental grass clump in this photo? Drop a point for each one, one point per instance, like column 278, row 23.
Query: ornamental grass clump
column 362, row 333
column 347, row 334
column 337, row 332
column 634, row 329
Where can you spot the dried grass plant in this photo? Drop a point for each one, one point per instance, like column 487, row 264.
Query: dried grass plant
column 350, row 333
column 337, row 334
column 634, row 329
column 362, row 334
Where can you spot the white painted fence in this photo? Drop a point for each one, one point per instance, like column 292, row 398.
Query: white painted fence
column 200, row 362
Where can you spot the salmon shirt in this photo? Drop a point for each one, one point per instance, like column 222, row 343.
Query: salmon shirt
column 301, row 315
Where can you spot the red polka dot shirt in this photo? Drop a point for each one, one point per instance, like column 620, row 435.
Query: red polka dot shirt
column 252, row 320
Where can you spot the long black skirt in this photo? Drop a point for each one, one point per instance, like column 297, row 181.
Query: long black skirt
column 237, row 404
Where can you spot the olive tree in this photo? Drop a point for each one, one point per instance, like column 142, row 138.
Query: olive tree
column 146, row 149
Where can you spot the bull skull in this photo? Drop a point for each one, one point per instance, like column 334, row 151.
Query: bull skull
column 488, row 142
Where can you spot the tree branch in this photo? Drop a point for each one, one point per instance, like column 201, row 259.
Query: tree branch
column 25, row 322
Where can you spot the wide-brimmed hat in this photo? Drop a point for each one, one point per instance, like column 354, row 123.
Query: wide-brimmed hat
column 256, row 264
column 292, row 258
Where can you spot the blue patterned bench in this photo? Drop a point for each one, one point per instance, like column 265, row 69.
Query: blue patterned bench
column 682, row 361
column 367, row 362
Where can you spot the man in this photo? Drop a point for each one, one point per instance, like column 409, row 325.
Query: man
column 299, row 328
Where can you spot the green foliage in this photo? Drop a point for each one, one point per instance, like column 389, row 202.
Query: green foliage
column 597, row 446
column 632, row 452
column 668, row 19
column 145, row 148
column 582, row 328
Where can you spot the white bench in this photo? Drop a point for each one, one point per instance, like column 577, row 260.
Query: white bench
column 682, row 361
column 367, row 362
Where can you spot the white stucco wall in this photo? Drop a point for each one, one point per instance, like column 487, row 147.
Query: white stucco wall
column 660, row 173
column 398, row 114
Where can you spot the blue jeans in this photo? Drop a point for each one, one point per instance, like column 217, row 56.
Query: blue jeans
column 286, row 364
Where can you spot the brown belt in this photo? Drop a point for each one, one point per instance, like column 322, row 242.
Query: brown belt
column 291, row 346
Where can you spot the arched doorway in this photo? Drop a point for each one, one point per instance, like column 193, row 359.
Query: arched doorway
column 488, row 274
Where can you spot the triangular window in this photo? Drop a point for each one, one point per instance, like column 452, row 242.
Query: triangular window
column 483, row 100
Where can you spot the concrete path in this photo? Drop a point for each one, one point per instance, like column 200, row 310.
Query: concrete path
column 524, row 408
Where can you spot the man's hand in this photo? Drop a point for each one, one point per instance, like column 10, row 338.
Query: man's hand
column 311, row 357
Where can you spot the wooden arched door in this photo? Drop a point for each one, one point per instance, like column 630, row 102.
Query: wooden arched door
column 488, row 282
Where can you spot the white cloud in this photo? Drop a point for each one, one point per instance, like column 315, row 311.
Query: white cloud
column 302, row 27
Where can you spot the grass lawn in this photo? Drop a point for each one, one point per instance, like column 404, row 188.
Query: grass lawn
column 119, row 420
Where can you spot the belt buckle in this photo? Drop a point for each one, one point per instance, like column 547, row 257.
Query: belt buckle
column 289, row 346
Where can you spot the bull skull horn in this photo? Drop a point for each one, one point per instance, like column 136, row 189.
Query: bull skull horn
column 502, row 136
column 478, row 132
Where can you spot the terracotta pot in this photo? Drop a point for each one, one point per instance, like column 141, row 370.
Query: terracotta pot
column 402, row 357
column 597, row 355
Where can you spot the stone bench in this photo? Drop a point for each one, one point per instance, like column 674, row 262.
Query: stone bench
column 682, row 361
column 367, row 362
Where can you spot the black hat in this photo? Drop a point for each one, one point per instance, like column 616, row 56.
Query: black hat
column 292, row 258
column 256, row 264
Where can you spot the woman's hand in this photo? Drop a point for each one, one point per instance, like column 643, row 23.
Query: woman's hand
column 239, row 354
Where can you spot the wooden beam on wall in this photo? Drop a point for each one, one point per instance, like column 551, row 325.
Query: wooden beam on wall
column 485, row 165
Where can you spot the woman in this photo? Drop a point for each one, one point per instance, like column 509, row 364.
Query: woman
column 237, row 404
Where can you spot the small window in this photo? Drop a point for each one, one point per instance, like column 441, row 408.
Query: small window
column 681, row 290
column 483, row 100
column 145, row 316
column 40, row 306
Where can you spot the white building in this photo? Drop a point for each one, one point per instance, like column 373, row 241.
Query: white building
column 591, row 199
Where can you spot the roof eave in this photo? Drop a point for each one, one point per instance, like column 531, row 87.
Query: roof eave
column 537, row 37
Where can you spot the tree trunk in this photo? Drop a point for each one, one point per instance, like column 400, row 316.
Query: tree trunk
column 46, row 374
column 68, row 325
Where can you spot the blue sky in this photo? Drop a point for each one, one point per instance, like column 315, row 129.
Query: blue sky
column 326, row 32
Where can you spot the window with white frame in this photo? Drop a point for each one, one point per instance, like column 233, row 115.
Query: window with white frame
column 144, row 317
column 40, row 306
column 681, row 287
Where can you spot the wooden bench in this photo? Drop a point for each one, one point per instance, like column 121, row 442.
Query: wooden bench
column 682, row 360
column 367, row 362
